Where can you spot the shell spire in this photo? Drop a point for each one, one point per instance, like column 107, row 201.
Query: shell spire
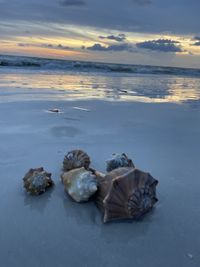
column 76, row 159
column 37, row 181
column 118, row 161
column 80, row 184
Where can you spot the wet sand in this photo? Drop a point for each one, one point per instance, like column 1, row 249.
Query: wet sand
column 51, row 230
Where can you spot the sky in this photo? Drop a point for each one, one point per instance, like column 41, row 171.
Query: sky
column 148, row 32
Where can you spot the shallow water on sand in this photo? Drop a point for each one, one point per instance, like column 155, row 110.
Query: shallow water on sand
column 18, row 84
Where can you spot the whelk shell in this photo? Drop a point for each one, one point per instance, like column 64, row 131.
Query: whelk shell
column 36, row 181
column 76, row 159
column 117, row 161
column 126, row 193
column 80, row 184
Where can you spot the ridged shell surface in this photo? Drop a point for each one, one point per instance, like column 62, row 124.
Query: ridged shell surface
column 118, row 161
column 76, row 159
column 37, row 181
column 126, row 193
column 80, row 184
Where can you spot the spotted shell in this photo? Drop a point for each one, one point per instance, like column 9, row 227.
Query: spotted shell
column 117, row 161
column 126, row 193
column 76, row 159
column 36, row 181
column 80, row 184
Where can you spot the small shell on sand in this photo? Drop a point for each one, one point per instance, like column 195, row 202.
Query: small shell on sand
column 37, row 181
column 80, row 184
column 117, row 161
column 54, row 110
column 76, row 159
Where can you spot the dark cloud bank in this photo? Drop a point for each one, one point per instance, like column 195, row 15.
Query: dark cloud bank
column 142, row 2
column 112, row 48
column 119, row 38
column 172, row 16
column 51, row 46
column 72, row 3
column 161, row 45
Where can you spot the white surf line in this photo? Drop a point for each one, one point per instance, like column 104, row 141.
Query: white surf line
column 83, row 109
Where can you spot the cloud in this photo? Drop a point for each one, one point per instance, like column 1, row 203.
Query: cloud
column 72, row 3
column 114, row 48
column 119, row 38
column 51, row 46
column 142, row 2
column 129, row 15
column 63, row 47
column 97, row 47
column 23, row 44
column 161, row 45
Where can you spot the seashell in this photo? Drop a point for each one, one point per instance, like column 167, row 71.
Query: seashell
column 126, row 193
column 80, row 184
column 54, row 110
column 76, row 159
column 117, row 161
column 36, row 181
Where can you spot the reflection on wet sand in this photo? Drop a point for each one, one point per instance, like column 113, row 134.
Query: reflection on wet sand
column 88, row 214
column 82, row 213
column 38, row 202
column 66, row 86
column 65, row 131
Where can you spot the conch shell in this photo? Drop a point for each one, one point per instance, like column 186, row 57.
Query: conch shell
column 36, row 181
column 80, row 184
column 117, row 161
column 126, row 193
column 76, row 159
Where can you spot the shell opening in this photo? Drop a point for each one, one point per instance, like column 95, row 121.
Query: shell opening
column 139, row 203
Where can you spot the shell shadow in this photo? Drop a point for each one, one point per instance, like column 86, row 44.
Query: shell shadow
column 123, row 231
column 38, row 202
column 83, row 213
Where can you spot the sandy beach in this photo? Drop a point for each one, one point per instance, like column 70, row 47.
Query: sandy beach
column 104, row 77
column 51, row 230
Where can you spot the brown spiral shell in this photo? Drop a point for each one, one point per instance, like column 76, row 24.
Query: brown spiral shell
column 126, row 193
column 37, row 181
column 118, row 161
column 76, row 159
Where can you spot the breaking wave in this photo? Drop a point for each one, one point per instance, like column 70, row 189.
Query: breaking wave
column 80, row 66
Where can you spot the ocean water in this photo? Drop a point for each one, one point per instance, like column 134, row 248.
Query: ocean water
column 23, row 78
